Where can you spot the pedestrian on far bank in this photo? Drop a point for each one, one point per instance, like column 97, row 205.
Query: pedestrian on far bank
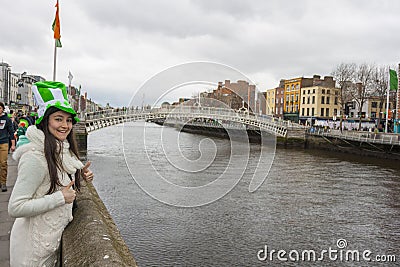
column 49, row 172
column 12, row 116
column 6, row 135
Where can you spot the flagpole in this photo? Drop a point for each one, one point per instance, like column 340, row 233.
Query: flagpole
column 57, row 36
column 55, row 60
column 387, row 103
column 397, row 93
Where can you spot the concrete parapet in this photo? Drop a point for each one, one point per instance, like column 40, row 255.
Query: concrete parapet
column 92, row 238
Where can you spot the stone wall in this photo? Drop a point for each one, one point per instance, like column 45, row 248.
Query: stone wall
column 92, row 238
column 362, row 149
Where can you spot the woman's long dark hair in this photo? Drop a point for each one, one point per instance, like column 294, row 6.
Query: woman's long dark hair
column 53, row 150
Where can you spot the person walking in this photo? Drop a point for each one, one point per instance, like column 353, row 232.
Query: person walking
column 49, row 172
column 6, row 135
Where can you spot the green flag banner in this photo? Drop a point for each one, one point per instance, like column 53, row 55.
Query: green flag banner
column 394, row 82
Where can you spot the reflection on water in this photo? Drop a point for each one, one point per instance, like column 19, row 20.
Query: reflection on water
column 309, row 200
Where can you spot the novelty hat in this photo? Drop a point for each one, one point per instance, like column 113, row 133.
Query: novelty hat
column 51, row 94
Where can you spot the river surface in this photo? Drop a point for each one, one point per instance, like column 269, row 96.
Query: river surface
column 310, row 201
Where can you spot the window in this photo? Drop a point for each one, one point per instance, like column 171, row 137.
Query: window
column 373, row 114
column 287, row 88
column 313, row 91
column 312, row 112
column 304, row 99
column 308, row 100
column 292, row 98
column 308, row 112
column 322, row 112
column 335, row 112
column 297, row 97
column 327, row 112
column 328, row 92
column 336, row 100
column 302, row 112
column 327, row 100
column 323, row 91
column 287, row 98
column 313, row 99
column 374, row 104
column 322, row 99
column 304, row 92
column 308, row 92
column 296, row 108
column 282, row 100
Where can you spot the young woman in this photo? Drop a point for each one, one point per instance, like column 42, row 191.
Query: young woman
column 42, row 196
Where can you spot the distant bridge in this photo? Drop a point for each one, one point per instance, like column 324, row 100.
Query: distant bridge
column 188, row 115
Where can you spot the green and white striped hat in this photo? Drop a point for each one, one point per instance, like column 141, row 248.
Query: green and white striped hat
column 51, row 94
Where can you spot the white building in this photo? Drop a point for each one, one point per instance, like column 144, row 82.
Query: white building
column 5, row 77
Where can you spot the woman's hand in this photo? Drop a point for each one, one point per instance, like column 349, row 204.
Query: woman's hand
column 69, row 193
column 86, row 173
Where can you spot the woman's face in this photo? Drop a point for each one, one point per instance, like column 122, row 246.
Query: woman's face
column 60, row 124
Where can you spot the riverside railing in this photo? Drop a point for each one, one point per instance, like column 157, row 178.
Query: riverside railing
column 359, row 136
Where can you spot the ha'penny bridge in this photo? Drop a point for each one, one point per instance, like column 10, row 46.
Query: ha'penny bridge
column 196, row 116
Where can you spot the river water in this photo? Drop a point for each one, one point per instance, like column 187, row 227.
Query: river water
column 310, row 201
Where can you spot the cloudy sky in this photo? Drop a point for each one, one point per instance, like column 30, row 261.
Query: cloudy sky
column 113, row 48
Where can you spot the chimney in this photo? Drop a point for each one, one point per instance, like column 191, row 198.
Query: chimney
column 329, row 82
column 227, row 83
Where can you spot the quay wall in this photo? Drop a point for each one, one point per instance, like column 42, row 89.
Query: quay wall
column 92, row 238
column 297, row 138
column 362, row 149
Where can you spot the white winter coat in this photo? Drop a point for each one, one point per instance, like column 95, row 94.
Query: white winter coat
column 40, row 218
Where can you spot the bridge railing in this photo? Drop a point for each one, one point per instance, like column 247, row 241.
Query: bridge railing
column 186, row 109
column 264, row 121
column 230, row 113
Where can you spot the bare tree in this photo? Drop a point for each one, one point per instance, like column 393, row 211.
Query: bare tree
column 362, row 89
column 379, row 84
column 343, row 75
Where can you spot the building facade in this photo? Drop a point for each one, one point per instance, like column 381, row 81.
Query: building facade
column 320, row 100
column 5, row 82
column 270, row 95
column 291, row 103
column 373, row 108
column 25, row 100
column 246, row 91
